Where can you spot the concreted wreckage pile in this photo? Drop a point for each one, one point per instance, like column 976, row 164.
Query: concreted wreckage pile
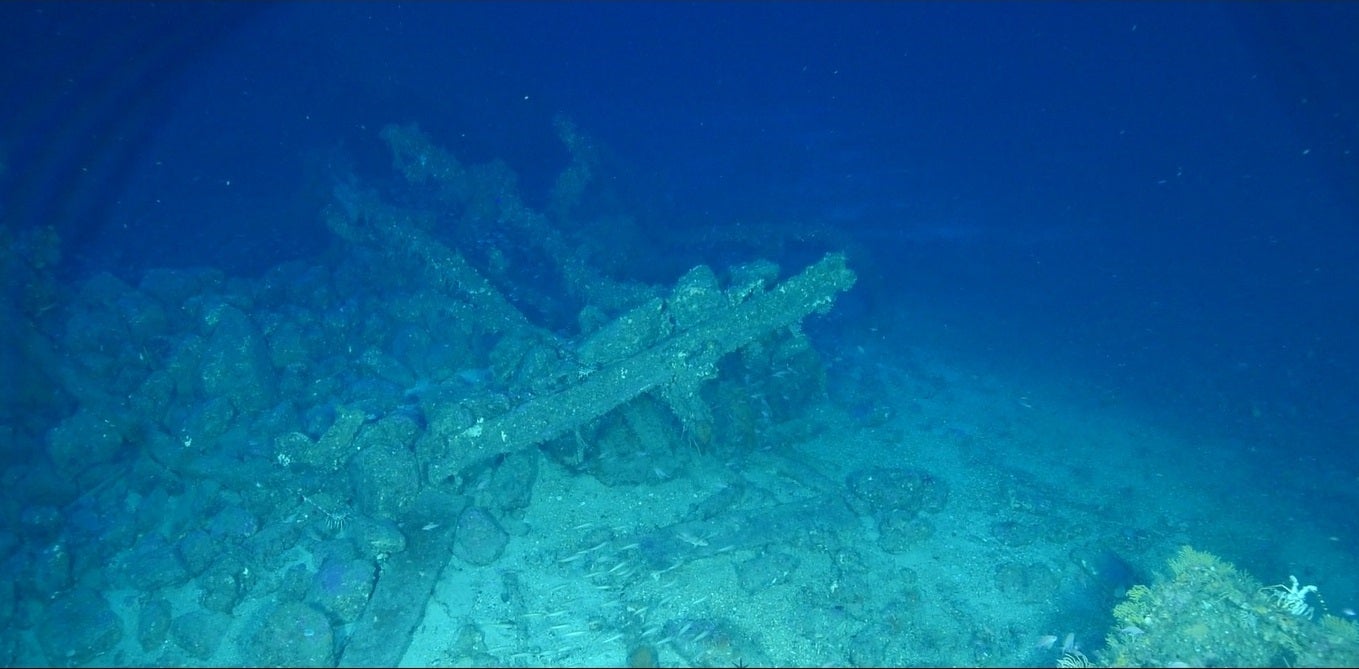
column 280, row 469
column 663, row 343
column 650, row 379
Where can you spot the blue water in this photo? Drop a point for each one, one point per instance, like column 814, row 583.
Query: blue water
column 1154, row 206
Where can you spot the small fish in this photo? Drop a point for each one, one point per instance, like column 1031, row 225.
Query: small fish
column 1046, row 641
column 691, row 539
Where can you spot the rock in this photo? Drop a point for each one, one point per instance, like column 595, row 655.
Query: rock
column 224, row 584
column 385, row 474
column 342, row 587
column 236, row 361
column 200, row 632
column 294, row 583
column 149, row 565
column 50, row 571
column 269, row 547
column 41, row 522
column 900, row 531
column 511, row 483
column 172, row 287
column 78, row 627
column 376, row 538
column 206, row 422
column 336, row 444
column 234, row 524
column 84, row 439
column 879, row 490
column 292, row 634
column 197, row 550
column 479, row 538
column 153, row 625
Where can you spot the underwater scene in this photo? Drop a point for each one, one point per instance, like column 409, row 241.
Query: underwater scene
column 679, row 334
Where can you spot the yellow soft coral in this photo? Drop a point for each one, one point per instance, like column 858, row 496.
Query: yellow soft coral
column 1210, row 612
